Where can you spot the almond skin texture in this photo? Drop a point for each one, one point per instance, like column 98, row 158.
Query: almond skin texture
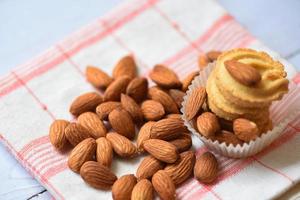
column 97, row 77
column 228, row 137
column 93, row 124
column 122, row 188
column 177, row 96
column 164, row 185
column 83, row 152
column 165, row 77
column 183, row 142
column 195, row 102
column 152, row 110
column 206, row 168
column 183, row 168
column 203, row 61
column 105, row 108
column 161, row 150
column 57, row 134
column 144, row 134
column 116, row 88
column 85, row 102
column 97, row 175
column 243, row 73
column 104, row 152
column 213, row 55
column 174, row 116
column 245, row 129
column 126, row 66
column 137, row 89
column 148, row 167
column 162, row 97
column 167, row 129
column 207, row 124
column 132, row 108
column 75, row 133
column 188, row 80
column 143, row 190
column 121, row 122
column 121, row 145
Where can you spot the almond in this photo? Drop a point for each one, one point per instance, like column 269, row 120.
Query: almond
column 188, row 80
column 104, row 152
column 97, row 77
column 164, row 185
column 167, row 129
column 122, row 188
column 213, row 55
column 194, row 102
column 177, row 96
column 174, row 116
column 126, row 66
column 83, row 152
column 183, row 142
column 93, row 124
column 143, row 190
column 116, row 88
column 164, row 77
column 152, row 110
column 85, row 102
column 137, row 89
column 105, row 108
column 161, row 150
column 148, row 167
column 75, row 133
column 162, row 97
column 228, row 137
column 132, row 108
column 203, row 61
column 245, row 129
column 121, row 122
column 144, row 134
column 182, row 169
column 121, row 145
column 57, row 134
column 206, row 168
column 207, row 124
column 97, row 175
column 243, row 73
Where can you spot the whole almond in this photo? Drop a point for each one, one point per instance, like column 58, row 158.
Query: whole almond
column 206, row 168
column 165, row 77
column 126, row 66
column 176, row 116
column 207, row 124
column 148, row 167
column 195, row 102
column 143, row 190
column 121, row 122
column 144, row 134
column 85, row 102
column 122, row 188
column 203, row 61
column 116, row 88
column 121, row 145
column 183, row 168
column 93, row 124
column 57, row 134
column 104, row 152
column 245, row 129
column 75, row 133
column 97, row 175
column 97, row 77
column 83, row 152
column 164, row 185
column 243, row 73
column 213, row 55
column 132, row 108
column 167, row 129
column 137, row 89
column 152, row 110
column 183, row 142
column 161, row 150
column 177, row 96
column 188, row 80
column 162, row 97
column 228, row 137
column 105, row 108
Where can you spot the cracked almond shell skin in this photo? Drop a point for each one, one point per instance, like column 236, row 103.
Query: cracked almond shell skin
column 97, row 175
column 97, row 77
column 152, row 110
column 167, row 129
column 121, row 145
column 165, row 77
column 116, row 88
column 85, row 102
column 143, row 190
column 137, row 89
column 148, row 166
column 195, row 102
column 206, row 168
column 164, row 185
column 132, row 108
column 125, row 67
column 57, row 134
column 75, row 133
column 122, row 188
column 105, row 108
column 93, row 124
column 104, row 152
column 144, row 134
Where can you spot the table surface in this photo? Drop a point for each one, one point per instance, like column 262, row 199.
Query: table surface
column 29, row 27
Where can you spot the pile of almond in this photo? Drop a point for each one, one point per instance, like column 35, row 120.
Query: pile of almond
column 106, row 124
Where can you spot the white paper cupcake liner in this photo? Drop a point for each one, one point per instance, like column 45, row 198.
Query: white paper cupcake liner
column 257, row 145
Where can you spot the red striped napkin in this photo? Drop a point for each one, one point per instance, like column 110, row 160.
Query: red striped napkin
column 171, row 32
